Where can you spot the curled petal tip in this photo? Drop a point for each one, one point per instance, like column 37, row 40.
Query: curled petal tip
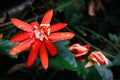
column 89, row 64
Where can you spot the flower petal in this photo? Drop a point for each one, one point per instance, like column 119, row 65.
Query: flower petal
column 33, row 53
column 51, row 48
column 79, row 50
column 35, row 24
column 22, row 25
column 98, row 57
column 22, row 46
column 89, row 64
column 21, row 36
column 47, row 17
column 57, row 26
column 43, row 56
column 58, row 36
column 78, row 54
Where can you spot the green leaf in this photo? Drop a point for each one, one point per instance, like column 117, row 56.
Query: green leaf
column 113, row 37
column 63, row 4
column 83, row 72
column 116, row 60
column 5, row 46
column 81, row 2
column 95, row 37
column 62, row 1
column 105, row 73
column 89, row 73
column 94, row 74
column 64, row 59
column 112, row 20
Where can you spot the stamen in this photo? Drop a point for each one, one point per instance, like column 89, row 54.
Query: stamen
column 47, row 25
column 45, row 37
column 35, row 27
column 49, row 31
column 37, row 35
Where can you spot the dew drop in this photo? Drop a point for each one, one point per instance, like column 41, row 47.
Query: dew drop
column 31, row 36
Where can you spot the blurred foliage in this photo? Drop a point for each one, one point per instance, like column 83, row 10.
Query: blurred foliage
column 64, row 59
column 94, row 22
column 5, row 46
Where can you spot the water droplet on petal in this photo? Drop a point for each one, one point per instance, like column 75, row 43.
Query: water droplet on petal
column 31, row 36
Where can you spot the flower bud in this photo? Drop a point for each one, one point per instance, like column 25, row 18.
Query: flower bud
column 78, row 51
column 96, row 57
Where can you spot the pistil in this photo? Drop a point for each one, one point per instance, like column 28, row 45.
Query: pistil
column 40, row 34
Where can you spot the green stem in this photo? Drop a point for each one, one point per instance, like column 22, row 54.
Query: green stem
column 100, row 37
column 65, row 5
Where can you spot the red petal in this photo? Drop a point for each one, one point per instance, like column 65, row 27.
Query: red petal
column 78, row 54
column 98, row 57
column 79, row 50
column 22, row 46
column 33, row 53
column 57, row 26
column 21, row 36
column 35, row 23
column 51, row 48
column 22, row 25
column 43, row 56
column 87, row 46
column 58, row 36
column 47, row 17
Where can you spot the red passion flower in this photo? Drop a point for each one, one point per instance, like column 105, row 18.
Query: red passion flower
column 39, row 37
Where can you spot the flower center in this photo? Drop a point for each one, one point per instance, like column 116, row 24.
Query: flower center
column 40, row 33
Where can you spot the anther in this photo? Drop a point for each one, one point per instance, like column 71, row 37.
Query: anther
column 45, row 37
column 35, row 27
column 47, row 25
column 49, row 31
